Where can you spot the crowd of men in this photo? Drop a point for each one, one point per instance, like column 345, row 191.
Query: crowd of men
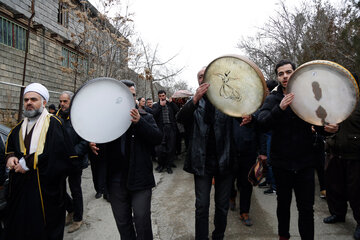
column 43, row 151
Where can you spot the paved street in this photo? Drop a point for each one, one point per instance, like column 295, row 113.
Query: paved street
column 173, row 209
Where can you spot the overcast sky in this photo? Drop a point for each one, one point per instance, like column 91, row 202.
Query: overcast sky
column 198, row 30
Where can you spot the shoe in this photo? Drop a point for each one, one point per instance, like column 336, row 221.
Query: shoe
column 232, row 204
column 245, row 219
column 158, row 168
column 75, row 226
column 173, row 165
column 69, row 218
column 323, row 194
column 106, row 197
column 357, row 232
column 169, row 170
column 334, row 219
column 98, row 195
column 263, row 185
column 269, row 191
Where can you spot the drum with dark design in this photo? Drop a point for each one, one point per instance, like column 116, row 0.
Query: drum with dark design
column 325, row 92
column 100, row 110
column 237, row 86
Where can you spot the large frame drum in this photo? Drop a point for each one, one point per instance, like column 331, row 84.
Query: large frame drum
column 325, row 92
column 100, row 110
column 237, row 86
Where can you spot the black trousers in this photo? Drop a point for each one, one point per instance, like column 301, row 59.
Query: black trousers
column 99, row 172
column 75, row 202
column 302, row 182
column 242, row 183
column 166, row 150
column 124, row 203
column 342, row 185
column 222, row 197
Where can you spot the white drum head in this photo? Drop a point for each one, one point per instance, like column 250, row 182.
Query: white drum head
column 325, row 92
column 100, row 110
column 237, row 86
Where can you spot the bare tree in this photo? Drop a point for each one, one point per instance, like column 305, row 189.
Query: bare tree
column 150, row 68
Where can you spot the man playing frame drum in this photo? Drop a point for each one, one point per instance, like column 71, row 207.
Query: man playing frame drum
column 292, row 155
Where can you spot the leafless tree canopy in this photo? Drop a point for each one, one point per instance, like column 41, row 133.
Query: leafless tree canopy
column 313, row 30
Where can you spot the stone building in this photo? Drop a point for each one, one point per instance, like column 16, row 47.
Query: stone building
column 55, row 58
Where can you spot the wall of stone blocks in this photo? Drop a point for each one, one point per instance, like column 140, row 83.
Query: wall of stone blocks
column 44, row 65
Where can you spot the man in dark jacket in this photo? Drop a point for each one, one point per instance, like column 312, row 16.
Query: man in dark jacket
column 250, row 144
column 74, row 205
column 342, row 174
column 130, row 174
column 210, row 154
column 291, row 154
column 164, row 113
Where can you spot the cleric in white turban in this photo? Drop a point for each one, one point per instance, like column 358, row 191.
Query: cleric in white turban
column 38, row 156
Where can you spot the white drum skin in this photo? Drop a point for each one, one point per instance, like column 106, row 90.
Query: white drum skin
column 325, row 92
column 100, row 110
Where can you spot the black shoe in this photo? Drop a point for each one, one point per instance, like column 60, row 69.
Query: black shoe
column 173, row 165
column 169, row 171
column 269, row 191
column 106, row 197
column 98, row 195
column 157, row 168
column 357, row 232
column 334, row 219
column 160, row 169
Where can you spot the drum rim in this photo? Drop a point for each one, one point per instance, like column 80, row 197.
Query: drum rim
column 91, row 81
column 332, row 64
column 253, row 66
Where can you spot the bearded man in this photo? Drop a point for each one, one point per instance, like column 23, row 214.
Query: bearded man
column 38, row 157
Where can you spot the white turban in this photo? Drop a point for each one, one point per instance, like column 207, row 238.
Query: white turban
column 38, row 88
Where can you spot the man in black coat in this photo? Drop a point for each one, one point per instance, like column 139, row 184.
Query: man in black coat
column 74, row 204
column 210, row 155
column 130, row 174
column 342, row 173
column 291, row 154
column 164, row 113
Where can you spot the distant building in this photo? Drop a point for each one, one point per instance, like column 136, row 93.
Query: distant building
column 56, row 56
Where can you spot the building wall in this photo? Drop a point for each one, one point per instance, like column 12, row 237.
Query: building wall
column 44, row 61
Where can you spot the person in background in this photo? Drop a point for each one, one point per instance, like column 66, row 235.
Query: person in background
column 52, row 109
column 74, row 204
column 164, row 113
column 342, row 170
column 149, row 102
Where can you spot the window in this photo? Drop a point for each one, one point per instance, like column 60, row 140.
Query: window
column 69, row 58
column 63, row 14
column 12, row 35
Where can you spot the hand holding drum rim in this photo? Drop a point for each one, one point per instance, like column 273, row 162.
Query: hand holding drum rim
column 135, row 115
column 200, row 91
column 286, row 101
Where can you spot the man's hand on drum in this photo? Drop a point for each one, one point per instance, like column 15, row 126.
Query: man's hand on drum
column 200, row 91
column 245, row 120
column 94, row 148
column 135, row 115
column 285, row 102
column 331, row 128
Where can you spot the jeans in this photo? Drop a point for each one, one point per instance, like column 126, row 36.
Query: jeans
column 222, row 197
column 303, row 183
column 124, row 203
